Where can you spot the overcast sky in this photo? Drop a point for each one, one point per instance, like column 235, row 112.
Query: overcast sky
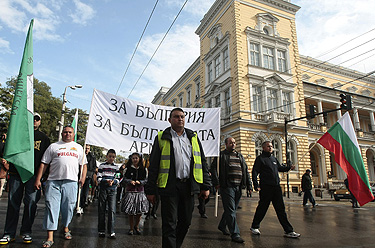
column 90, row 42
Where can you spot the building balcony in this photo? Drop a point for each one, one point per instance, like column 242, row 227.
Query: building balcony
column 272, row 117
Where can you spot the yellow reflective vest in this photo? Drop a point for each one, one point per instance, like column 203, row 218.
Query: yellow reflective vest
column 165, row 160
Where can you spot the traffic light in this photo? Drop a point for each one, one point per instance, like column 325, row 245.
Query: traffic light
column 313, row 111
column 346, row 102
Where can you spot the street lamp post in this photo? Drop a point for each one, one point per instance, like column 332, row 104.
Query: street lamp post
column 61, row 122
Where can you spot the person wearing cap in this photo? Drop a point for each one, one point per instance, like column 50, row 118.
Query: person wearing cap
column 25, row 190
column 306, row 188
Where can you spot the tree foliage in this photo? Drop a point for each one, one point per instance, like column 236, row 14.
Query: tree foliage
column 49, row 108
column 44, row 103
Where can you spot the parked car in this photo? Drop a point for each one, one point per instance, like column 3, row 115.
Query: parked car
column 342, row 193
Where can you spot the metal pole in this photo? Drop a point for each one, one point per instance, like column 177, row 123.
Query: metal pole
column 286, row 153
column 61, row 123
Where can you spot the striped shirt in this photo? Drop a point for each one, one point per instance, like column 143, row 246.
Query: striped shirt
column 108, row 172
column 235, row 170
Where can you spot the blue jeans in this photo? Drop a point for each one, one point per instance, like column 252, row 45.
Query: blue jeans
column 107, row 195
column 231, row 198
column 30, row 200
column 61, row 196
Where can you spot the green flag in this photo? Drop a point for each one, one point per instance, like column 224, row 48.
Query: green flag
column 19, row 146
column 75, row 125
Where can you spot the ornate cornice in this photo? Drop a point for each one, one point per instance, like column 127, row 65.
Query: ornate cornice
column 281, row 5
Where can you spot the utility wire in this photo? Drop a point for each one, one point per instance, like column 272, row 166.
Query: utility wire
column 333, row 49
column 158, row 47
column 139, row 41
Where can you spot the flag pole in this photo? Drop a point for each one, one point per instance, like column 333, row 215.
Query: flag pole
column 217, row 191
column 299, row 160
column 84, row 154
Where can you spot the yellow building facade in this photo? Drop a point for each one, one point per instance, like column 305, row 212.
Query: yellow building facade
column 250, row 66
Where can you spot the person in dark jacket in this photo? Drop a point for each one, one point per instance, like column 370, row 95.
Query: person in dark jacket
column 19, row 190
column 91, row 170
column 177, row 171
column 306, row 188
column 232, row 178
column 267, row 166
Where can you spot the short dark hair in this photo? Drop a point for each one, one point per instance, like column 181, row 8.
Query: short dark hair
column 176, row 109
column 111, row 151
column 266, row 142
column 227, row 138
column 69, row 126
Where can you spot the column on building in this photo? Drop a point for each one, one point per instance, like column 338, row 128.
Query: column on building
column 320, row 109
column 338, row 112
column 372, row 120
column 357, row 125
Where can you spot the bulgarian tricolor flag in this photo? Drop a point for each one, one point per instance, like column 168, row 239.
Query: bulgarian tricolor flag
column 341, row 140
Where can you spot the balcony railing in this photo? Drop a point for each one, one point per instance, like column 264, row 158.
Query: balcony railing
column 278, row 117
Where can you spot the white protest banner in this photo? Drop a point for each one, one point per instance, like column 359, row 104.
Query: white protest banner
column 131, row 126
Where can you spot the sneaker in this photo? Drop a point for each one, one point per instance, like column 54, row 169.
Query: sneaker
column 79, row 211
column 6, row 240
column 101, row 234
column 255, row 231
column 292, row 235
column 27, row 239
column 112, row 236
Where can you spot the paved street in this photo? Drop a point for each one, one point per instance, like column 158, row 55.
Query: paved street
column 331, row 224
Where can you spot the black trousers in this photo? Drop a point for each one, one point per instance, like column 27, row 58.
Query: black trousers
column 176, row 212
column 202, row 204
column 308, row 196
column 267, row 195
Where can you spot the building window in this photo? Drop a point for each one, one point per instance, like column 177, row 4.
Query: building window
column 210, row 73
column 188, row 96
column 174, row 103
column 258, row 147
column 292, row 153
column 271, row 99
column 276, row 149
column 217, row 101
column 254, row 54
column 226, row 59
column 268, row 58
column 217, row 67
column 257, row 99
column 209, row 103
column 197, row 90
column 281, row 61
column 227, row 101
column 181, row 101
column 286, row 102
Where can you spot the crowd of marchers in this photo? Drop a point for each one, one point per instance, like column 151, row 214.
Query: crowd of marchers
column 177, row 170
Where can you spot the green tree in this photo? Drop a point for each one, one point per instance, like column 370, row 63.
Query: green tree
column 44, row 103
